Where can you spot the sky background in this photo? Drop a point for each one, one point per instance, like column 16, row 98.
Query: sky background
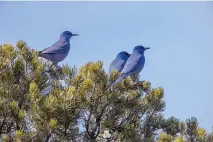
column 180, row 35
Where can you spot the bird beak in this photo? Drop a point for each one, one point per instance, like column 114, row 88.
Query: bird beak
column 75, row 34
column 147, row 48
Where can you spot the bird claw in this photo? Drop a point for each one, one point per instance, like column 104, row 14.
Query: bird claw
column 59, row 69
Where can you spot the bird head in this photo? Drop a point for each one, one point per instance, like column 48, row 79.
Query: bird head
column 124, row 55
column 140, row 49
column 66, row 35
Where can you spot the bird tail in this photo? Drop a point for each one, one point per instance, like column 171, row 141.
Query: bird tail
column 118, row 80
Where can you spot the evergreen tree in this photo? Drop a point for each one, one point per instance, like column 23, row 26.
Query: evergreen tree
column 38, row 102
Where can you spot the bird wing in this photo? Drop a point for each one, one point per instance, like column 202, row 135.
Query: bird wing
column 56, row 48
column 134, row 62
column 116, row 64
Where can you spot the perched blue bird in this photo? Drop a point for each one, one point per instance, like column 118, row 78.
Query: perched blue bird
column 134, row 64
column 58, row 51
column 119, row 61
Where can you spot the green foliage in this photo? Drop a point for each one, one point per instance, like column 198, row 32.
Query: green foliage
column 80, row 105
column 165, row 138
column 179, row 139
column 171, row 126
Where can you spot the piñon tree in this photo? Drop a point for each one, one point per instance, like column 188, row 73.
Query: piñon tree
column 38, row 102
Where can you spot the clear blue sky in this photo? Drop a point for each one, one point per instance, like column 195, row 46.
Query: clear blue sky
column 179, row 33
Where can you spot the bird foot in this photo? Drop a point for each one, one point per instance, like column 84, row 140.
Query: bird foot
column 59, row 69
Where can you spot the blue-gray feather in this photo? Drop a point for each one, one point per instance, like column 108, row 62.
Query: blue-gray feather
column 119, row 62
column 134, row 64
column 59, row 50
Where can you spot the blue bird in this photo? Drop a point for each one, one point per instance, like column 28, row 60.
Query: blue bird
column 134, row 64
column 119, row 62
column 58, row 51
